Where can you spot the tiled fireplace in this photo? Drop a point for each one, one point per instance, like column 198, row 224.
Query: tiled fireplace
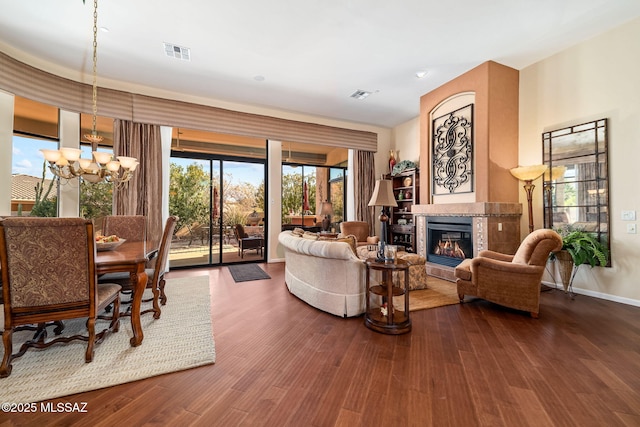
column 472, row 226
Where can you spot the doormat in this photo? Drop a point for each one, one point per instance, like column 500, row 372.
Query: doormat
column 247, row 272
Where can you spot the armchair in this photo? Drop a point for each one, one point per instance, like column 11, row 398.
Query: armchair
column 509, row 280
column 360, row 229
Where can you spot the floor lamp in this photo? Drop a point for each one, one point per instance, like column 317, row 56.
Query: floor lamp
column 528, row 174
column 383, row 197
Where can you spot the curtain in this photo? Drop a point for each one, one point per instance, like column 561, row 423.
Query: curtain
column 142, row 195
column 364, row 181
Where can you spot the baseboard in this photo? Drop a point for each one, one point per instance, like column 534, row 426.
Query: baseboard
column 601, row 295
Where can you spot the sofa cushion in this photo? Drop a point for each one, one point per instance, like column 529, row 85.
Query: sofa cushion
column 310, row 236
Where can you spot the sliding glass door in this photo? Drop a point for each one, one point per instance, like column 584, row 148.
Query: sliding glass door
column 220, row 202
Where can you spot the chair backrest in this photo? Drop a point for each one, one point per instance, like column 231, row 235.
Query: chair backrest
column 240, row 232
column 163, row 251
column 360, row 229
column 130, row 227
column 48, row 263
column 536, row 247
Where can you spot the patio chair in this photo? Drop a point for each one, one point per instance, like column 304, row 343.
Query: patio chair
column 246, row 242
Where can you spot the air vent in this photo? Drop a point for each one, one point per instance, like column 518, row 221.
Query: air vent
column 360, row 94
column 177, row 52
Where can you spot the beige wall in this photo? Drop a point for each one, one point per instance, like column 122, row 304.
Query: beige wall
column 595, row 79
column 406, row 141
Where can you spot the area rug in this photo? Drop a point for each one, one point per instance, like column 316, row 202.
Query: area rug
column 181, row 339
column 437, row 294
column 247, row 272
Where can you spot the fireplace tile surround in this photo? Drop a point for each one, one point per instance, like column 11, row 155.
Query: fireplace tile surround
column 495, row 226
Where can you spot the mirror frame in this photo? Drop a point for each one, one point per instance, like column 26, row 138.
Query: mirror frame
column 576, row 184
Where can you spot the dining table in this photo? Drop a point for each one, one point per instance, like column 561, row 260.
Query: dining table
column 130, row 257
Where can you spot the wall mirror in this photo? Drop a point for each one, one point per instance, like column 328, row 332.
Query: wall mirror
column 576, row 184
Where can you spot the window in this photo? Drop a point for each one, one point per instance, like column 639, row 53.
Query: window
column 304, row 188
column 34, row 191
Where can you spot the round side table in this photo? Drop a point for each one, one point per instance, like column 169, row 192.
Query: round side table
column 387, row 301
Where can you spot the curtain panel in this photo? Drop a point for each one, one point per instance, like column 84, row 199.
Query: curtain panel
column 364, row 181
column 142, row 195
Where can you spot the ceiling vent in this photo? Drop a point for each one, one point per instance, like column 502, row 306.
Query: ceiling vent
column 177, row 52
column 360, row 94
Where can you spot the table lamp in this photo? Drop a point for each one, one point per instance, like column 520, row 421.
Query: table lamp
column 327, row 210
column 528, row 174
column 383, row 197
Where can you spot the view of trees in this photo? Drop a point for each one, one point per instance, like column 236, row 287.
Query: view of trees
column 189, row 197
column 96, row 200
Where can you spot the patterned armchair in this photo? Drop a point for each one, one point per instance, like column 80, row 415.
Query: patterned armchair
column 509, row 280
column 48, row 275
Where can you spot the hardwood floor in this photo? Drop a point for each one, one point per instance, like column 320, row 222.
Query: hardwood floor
column 281, row 362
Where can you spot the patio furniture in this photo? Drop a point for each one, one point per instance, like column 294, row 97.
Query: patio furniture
column 246, row 242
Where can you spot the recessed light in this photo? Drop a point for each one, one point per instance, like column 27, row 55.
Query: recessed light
column 421, row 74
column 259, row 78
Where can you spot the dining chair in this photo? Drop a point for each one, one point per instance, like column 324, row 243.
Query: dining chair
column 132, row 228
column 129, row 227
column 49, row 275
column 155, row 274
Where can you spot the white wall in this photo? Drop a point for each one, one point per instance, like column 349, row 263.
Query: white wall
column 6, row 145
column 595, row 79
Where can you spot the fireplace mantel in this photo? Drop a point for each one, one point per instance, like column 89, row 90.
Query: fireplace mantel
column 469, row 209
column 495, row 225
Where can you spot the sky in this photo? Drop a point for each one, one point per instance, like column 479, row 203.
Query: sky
column 27, row 160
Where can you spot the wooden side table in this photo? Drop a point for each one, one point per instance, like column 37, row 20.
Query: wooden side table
column 381, row 314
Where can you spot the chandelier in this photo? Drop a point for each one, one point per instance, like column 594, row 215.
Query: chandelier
column 67, row 163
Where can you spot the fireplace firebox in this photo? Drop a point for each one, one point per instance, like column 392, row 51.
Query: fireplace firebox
column 449, row 240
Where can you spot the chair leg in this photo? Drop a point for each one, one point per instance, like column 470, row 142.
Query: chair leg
column 5, row 367
column 163, row 296
column 91, row 327
column 115, row 320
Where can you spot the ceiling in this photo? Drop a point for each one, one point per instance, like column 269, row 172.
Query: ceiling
column 304, row 56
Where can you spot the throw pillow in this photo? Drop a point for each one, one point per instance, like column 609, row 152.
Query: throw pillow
column 297, row 232
column 310, row 236
column 351, row 240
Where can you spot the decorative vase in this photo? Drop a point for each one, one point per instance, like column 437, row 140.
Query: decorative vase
column 392, row 161
column 565, row 268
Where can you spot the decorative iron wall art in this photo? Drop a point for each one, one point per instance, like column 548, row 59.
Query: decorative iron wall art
column 453, row 152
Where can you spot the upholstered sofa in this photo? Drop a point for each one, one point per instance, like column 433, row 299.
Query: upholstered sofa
column 326, row 274
column 330, row 274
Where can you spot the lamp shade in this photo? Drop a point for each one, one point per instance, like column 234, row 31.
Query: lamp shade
column 383, row 194
column 528, row 173
column 326, row 208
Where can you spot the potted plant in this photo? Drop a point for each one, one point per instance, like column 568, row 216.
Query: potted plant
column 579, row 247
